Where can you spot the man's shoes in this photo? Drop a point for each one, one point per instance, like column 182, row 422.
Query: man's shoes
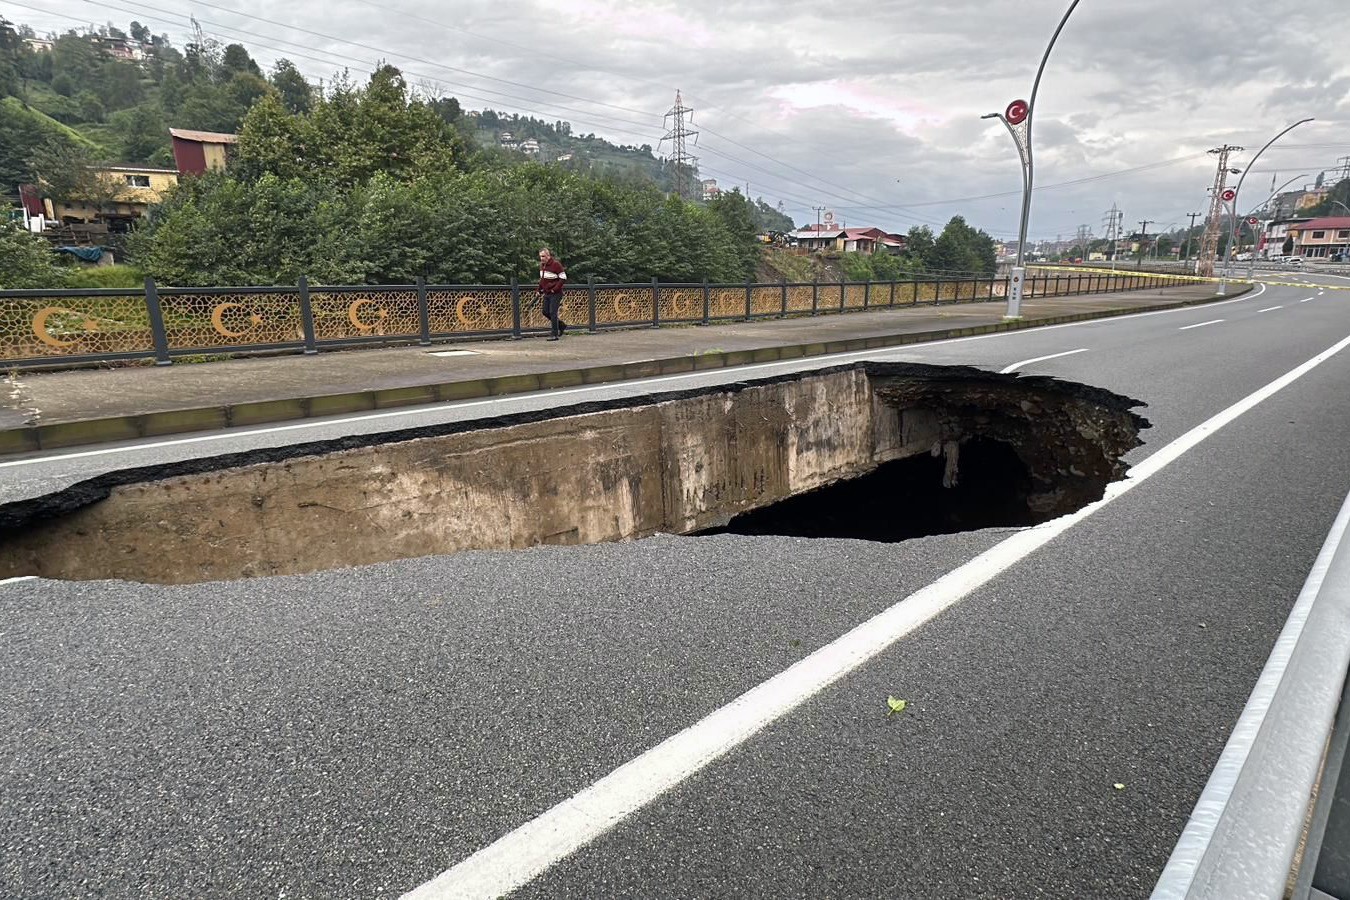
column 553, row 337
column 562, row 328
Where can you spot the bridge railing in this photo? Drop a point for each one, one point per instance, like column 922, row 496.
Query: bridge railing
column 71, row 327
column 1274, row 818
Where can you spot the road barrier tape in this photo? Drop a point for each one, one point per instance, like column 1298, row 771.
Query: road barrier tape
column 1198, row 279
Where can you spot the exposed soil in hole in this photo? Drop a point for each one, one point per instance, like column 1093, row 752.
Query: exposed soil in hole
column 905, row 499
column 821, row 453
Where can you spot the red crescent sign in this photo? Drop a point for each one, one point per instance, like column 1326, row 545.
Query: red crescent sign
column 1229, row 194
column 1252, row 220
column 1017, row 111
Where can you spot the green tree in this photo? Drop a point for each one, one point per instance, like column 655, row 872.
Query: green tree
column 296, row 94
column 140, row 132
column 118, row 84
column 26, row 261
column 736, row 216
column 12, row 54
column 235, row 60
column 919, row 246
column 91, row 107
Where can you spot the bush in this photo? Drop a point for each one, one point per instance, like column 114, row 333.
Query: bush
column 26, row 261
column 104, row 277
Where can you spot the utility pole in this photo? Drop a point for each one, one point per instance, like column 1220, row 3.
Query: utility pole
column 1187, row 255
column 1143, row 239
column 819, row 210
column 1209, row 241
column 678, row 134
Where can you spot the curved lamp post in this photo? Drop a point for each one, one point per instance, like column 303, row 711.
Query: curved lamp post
column 1234, row 224
column 1017, row 119
column 1251, row 264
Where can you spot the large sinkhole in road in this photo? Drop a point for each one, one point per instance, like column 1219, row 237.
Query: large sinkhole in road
column 906, row 498
column 880, row 451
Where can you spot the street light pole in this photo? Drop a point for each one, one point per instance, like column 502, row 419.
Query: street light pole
column 1251, row 263
column 1018, row 116
column 1234, row 225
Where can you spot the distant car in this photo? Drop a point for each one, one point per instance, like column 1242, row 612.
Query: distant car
column 1292, row 260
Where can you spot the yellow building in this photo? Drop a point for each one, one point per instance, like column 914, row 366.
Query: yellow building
column 124, row 193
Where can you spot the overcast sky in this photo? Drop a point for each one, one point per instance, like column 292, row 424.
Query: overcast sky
column 874, row 113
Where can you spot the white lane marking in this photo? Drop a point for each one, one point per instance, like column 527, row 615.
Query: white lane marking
column 1270, row 309
column 425, row 409
column 1306, row 299
column 17, row 578
column 1178, row 875
column 523, row 854
column 1026, row 362
column 1200, row 324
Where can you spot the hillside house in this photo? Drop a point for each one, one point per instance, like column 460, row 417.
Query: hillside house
column 199, row 152
column 1321, row 238
column 126, row 194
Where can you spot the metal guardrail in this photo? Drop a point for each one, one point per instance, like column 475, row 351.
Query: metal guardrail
column 67, row 327
column 1257, row 812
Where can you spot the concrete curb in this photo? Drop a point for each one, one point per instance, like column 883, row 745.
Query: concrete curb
column 33, row 438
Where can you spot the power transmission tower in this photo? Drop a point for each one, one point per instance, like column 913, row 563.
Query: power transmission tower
column 1209, row 242
column 1343, row 172
column 678, row 134
column 1111, row 221
column 1083, row 239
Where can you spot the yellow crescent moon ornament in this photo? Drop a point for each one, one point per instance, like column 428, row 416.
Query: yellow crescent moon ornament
column 354, row 315
column 218, row 320
column 40, row 325
column 470, row 316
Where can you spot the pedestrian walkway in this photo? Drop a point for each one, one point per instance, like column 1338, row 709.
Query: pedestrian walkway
column 43, row 410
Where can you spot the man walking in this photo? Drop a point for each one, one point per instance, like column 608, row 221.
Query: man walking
column 552, row 279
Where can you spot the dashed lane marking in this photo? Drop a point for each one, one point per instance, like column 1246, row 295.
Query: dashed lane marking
column 1200, row 324
column 522, row 855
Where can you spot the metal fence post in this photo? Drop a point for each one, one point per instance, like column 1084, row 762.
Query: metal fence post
column 306, row 316
column 161, row 337
column 590, row 303
column 656, row 304
column 914, row 301
column 748, row 289
column 815, row 295
column 707, row 302
column 515, row 309
column 783, row 313
column 423, row 312
column 867, row 293
column 843, row 292
column 991, row 288
column 892, row 300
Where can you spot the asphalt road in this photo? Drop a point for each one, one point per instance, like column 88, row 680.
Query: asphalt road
column 353, row 734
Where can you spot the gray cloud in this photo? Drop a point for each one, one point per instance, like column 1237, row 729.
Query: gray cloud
column 881, row 107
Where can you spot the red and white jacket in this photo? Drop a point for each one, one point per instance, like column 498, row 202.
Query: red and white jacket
column 552, row 277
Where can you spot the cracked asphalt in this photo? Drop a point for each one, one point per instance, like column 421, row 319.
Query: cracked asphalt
column 354, row 733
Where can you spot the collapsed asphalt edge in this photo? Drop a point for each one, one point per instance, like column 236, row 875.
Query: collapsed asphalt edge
column 32, row 438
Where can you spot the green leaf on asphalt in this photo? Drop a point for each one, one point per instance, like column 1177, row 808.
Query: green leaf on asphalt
column 895, row 705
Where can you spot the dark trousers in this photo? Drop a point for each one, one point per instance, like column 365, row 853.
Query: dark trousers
column 552, row 307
